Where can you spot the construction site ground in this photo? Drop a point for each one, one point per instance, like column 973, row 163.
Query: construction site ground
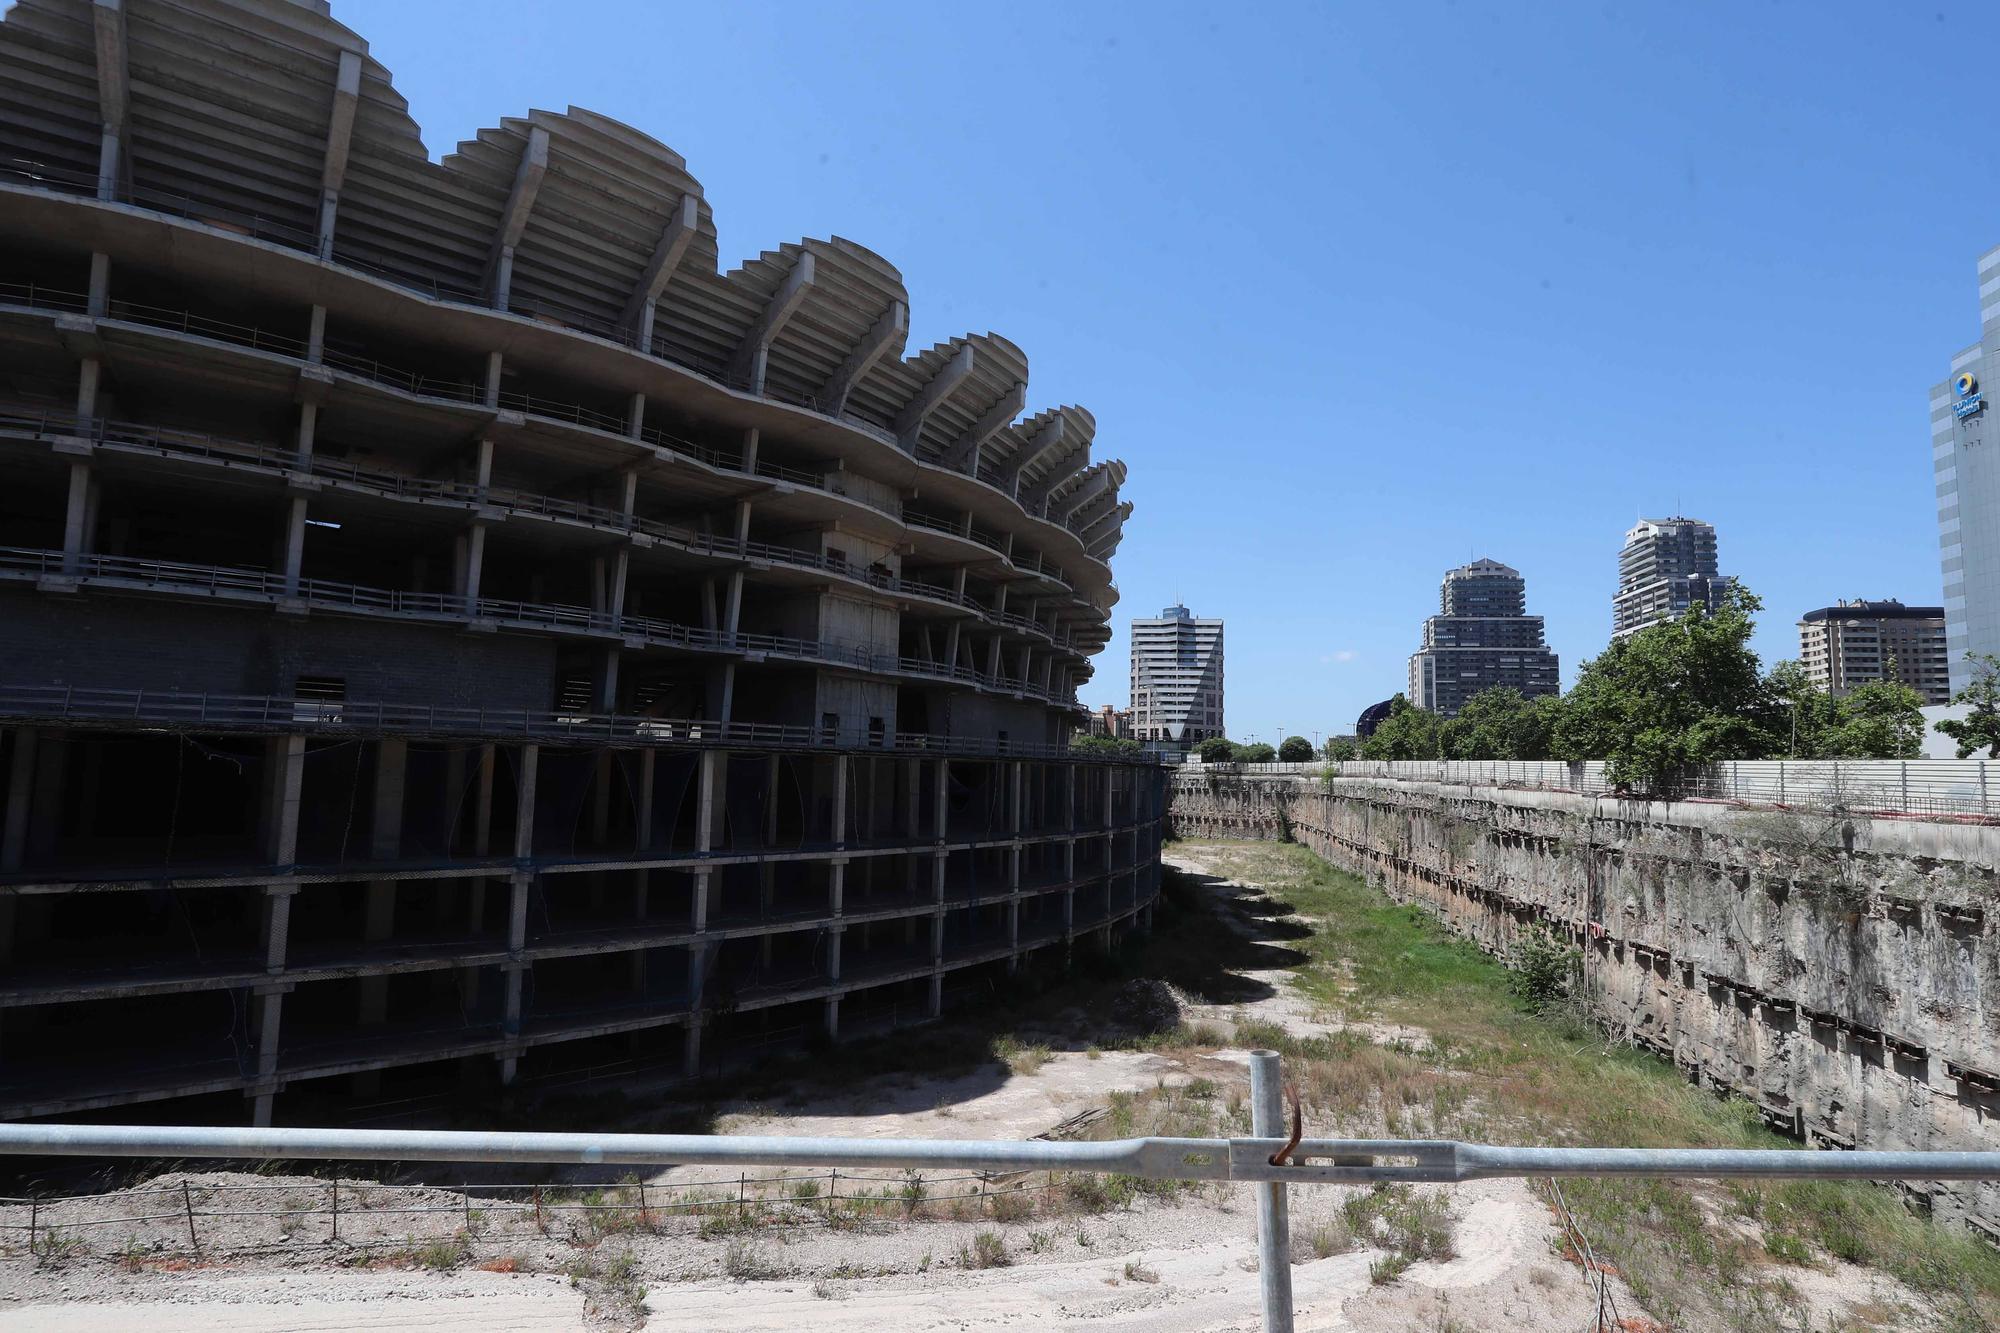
column 949, row 1253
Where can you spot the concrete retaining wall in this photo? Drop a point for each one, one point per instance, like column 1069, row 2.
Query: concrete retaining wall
column 1833, row 970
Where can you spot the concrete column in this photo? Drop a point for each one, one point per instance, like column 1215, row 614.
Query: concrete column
column 524, row 803
column 643, row 816
column 943, row 787
column 287, row 757
column 76, row 516
column 277, row 924
column 482, row 814
column 621, row 566
column 600, row 797
column 833, row 975
column 302, row 448
column 385, row 842
column 839, row 829
column 268, row 1003
column 515, row 967
column 475, row 567
column 316, row 336
column 295, row 544
column 20, row 795
column 98, row 303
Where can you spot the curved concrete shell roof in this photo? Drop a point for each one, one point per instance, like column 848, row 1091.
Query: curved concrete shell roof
column 574, row 216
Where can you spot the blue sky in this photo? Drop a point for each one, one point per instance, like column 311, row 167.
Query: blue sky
column 1359, row 291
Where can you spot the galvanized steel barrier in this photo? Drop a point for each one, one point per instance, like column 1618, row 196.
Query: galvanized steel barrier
column 1925, row 788
column 1271, row 1160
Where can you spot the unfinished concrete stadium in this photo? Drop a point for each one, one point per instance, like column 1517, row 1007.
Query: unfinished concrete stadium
column 453, row 636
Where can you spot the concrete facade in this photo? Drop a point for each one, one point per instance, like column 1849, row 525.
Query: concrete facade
column 1483, row 636
column 1967, row 482
column 1857, row 642
column 458, row 636
column 1665, row 566
column 1177, row 678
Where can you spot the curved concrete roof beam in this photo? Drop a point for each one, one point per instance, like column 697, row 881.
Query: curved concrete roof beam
column 942, row 384
column 1048, row 436
column 1095, row 482
column 884, row 338
column 1065, row 465
column 114, row 93
column 528, row 177
column 339, row 138
column 751, row 362
column 962, row 454
column 668, row 251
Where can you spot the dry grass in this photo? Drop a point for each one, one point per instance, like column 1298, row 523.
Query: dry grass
column 1495, row 1070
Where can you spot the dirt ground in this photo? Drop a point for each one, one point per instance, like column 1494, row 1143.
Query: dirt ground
column 1188, row 1264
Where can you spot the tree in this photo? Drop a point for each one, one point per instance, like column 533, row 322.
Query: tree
column 1501, row 723
column 1883, row 719
column 1260, row 753
column 1085, row 743
column 1339, row 749
column 1673, row 696
column 1807, row 717
column 1408, row 732
column 1295, row 750
column 1980, row 727
column 1215, row 750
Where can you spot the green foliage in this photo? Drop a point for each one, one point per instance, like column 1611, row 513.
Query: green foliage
column 1545, row 970
column 1501, row 723
column 1408, row 732
column 1260, row 753
column 1085, row 743
column 1879, row 720
column 1676, row 695
column 1981, row 728
column 1684, row 693
column 1215, row 750
column 1295, row 750
column 1339, row 749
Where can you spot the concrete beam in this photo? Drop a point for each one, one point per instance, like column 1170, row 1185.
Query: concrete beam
column 885, row 336
column 1048, row 437
column 514, row 218
column 673, row 244
column 962, row 455
column 910, row 421
column 1066, row 465
column 339, row 136
column 114, row 93
column 1100, row 524
column 753, row 354
column 1068, row 503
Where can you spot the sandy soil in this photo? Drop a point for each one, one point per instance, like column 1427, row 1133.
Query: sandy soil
column 1187, row 1266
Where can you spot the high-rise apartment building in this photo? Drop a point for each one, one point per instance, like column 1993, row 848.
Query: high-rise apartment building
column 1968, row 488
column 1855, row 643
column 1666, row 566
column 1484, row 637
column 1176, row 677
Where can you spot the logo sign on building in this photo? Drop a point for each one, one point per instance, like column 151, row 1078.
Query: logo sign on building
column 1970, row 401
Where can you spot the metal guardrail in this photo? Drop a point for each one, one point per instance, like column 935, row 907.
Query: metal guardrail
column 1920, row 787
column 227, row 712
column 461, row 391
column 226, row 452
column 126, row 571
column 1268, row 1160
